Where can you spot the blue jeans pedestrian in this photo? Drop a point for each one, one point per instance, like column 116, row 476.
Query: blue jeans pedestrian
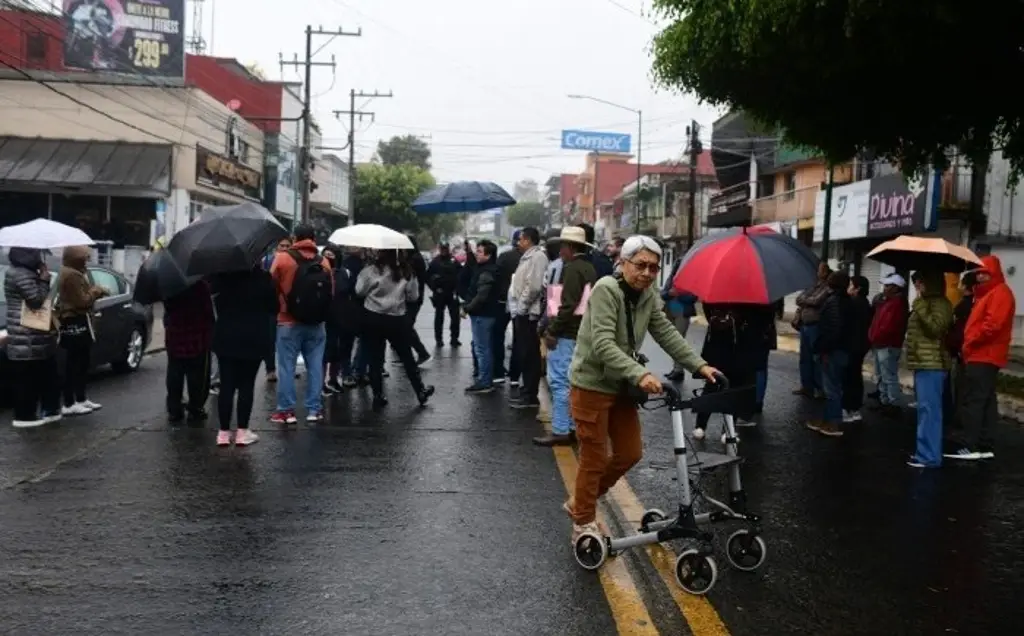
column 833, row 370
column 887, row 361
column 558, row 381
column 308, row 340
column 928, row 389
column 810, row 369
column 483, row 335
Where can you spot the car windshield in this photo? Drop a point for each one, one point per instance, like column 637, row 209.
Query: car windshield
column 3, row 297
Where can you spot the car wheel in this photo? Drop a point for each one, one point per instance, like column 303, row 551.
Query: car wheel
column 131, row 357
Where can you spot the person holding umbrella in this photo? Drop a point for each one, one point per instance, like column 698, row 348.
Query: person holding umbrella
column 245, row 301
column 75, row 299
column 188, row 328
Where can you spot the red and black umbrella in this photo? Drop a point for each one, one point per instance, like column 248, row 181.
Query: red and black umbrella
column 754, row 266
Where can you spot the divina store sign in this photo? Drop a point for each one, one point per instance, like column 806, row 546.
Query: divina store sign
column 884, row 206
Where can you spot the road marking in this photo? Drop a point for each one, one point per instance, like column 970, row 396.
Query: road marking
column 698, row 611
column 628, row 609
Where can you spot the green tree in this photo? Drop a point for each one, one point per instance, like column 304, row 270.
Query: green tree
column 527, row 213
column 908, row 80
column 384, row 194
column 404, row 150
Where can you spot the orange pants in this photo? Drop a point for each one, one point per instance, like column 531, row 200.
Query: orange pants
column 601, row 418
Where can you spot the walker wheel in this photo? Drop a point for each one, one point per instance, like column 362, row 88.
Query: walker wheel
column 653, row 515
column 745, row 550
column 590, row 550
column 695, row 572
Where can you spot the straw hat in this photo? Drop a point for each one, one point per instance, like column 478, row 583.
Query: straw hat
column 573, row 234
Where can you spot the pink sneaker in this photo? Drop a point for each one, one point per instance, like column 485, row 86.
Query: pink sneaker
column 244, row 437
column 223, row 438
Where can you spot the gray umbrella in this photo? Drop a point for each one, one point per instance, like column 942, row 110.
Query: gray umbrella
column 226, row 239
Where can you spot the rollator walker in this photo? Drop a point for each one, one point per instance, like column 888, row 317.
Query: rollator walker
column 695, row 567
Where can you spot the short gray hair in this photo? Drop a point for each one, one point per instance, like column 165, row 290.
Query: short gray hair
column 636, row 244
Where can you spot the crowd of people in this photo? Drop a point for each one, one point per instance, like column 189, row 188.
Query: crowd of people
column 954, row 352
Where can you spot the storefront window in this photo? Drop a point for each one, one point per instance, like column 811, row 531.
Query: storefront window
column 87, row 213
column 130, row 220
column 21, row 207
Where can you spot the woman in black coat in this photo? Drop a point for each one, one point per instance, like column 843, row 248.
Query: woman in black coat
column 245, row 301
column 734, row 343
column 860, row 316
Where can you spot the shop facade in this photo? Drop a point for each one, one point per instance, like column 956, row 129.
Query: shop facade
column 869, row 212
column 134, row 164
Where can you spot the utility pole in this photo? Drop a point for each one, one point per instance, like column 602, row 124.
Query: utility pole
column 695, row 150
column 352, row 114
column 827, row 221
column 305, row 161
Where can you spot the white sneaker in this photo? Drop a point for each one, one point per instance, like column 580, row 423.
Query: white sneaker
column 55, row 417
column 92, row 405
column 854, row 416
column 76, row 409
column 698, row 433
column 244, row 437
column 27, row 423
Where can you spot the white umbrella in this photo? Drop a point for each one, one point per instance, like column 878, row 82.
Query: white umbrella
column 43, row 234
column 370, row 236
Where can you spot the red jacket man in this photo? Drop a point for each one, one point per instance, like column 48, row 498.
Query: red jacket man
column 990, row 326
column 985, row 350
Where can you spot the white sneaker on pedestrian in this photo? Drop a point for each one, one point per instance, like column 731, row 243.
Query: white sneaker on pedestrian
column 92, row 405
column 245, row 437
column 53, row 417
column 79, row 408
column 698, row 433
column 27, row 423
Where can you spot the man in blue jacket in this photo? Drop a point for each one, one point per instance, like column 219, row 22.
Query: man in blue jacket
column 681, row 307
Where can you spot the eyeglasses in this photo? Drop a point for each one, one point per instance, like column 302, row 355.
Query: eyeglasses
column 653, row 268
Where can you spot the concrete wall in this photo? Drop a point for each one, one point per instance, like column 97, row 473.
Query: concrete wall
column 183, row 116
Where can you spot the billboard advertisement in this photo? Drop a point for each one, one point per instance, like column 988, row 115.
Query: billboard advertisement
column 595, row 141
column 126, row 36
column 884, row 206
column 285, row 202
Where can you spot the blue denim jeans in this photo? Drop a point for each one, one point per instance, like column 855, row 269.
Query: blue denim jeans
column 761, row 387
column 357, row 365
column 559, row 359
column 928, row 389
column 833, row 370
column 483, row 336
column 810, row 369
column 308, row 340
column 887, row 361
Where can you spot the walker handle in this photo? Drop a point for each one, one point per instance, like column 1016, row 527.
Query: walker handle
column 722, row 381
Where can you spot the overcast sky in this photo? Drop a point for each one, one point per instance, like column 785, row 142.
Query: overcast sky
column 486, row 80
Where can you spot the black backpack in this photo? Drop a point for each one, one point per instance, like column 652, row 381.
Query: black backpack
column 309, row 300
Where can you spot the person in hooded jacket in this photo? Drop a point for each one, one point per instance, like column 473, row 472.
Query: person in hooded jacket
column 76, row 296
column 833, row 344
column 986, row 350
column 30, row 352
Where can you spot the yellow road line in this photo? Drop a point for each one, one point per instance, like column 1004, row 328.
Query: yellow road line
column 628, row 609
column 698, row 611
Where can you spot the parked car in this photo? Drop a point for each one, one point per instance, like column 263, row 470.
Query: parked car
column 122, row 326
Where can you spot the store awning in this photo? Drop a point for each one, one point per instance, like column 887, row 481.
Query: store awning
column 94, row 167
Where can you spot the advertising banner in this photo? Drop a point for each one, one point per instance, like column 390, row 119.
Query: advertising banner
column 850, row 204
column 287, row 183
column 595, row 141
column 126, row 36
column 884, row 206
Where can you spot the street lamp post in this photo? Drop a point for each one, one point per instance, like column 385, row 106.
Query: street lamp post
column 639, row 148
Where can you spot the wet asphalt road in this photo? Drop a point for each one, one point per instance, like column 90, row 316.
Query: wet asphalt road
column 447, row 521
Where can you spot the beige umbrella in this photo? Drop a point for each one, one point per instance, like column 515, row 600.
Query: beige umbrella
column 913, row 253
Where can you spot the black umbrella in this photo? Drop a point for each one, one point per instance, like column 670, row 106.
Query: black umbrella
column 226, row 239
column 160, row 278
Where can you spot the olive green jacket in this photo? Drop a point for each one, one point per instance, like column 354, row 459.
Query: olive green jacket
column 601, row 360
column 931, row 318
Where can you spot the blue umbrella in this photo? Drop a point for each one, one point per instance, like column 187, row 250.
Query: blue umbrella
column 463, row 196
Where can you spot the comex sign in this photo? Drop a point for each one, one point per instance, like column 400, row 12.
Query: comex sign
column 595, row 141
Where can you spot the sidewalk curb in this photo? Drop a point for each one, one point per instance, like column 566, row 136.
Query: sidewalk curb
column 1009, row 407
